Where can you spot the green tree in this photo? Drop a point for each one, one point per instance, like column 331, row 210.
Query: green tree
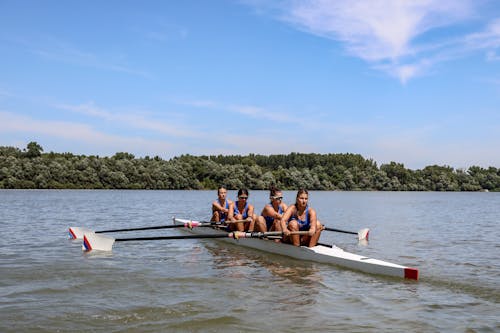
column 33, row 149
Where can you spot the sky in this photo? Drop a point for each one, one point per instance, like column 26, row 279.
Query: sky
column 414, row 82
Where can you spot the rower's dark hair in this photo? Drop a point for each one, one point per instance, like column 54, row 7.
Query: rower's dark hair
column 272, row 191
column 243, row 191
column 221, row 187
column 299, row 192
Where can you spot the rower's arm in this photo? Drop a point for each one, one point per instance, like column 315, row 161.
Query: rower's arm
column 230, row 213
column 269, row 211
column 250, row 212
column 286, row 216
column 313, row 221
column 216, row 206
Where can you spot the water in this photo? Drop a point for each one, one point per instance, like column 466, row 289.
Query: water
column 47, row 284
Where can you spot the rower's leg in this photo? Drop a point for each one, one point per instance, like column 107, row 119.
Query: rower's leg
column 250, row 226
column 314, row 239
column 238, row 226
column 294, row 226
column 260, row 224
column 276, row 226
column 215, row 217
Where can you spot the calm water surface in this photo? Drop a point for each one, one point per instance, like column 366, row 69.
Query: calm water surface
column 48, row 284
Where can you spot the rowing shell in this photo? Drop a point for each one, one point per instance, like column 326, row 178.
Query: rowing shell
column 320, row 253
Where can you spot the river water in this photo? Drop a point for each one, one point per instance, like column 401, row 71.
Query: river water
column 47, row 284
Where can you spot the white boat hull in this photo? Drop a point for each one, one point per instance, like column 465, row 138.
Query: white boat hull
column 322, row 254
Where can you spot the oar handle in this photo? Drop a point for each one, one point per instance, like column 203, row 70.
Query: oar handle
column 235, row 221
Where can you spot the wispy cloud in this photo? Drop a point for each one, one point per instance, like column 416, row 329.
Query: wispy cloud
column 55, row 49
column 488, row 39
column 252, row 111
column 63, row 52
column 68, row 135
column 4, row 94
column 135, row 120
column 75, row 132
column 164, row 32
column 391, row 34
column 492, row 56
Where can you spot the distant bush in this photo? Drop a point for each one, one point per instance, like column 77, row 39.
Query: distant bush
column 33, row 169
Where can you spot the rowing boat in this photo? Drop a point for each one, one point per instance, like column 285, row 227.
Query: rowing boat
column 320, row 253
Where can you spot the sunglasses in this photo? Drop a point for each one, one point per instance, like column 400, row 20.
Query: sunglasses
column 243, row 198
column 277, row 198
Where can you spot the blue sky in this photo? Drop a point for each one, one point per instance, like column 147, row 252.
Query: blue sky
column 416, row 82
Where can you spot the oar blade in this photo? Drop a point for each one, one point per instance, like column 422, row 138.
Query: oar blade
column 93, row 241
column 77, row 232
column 363, row 234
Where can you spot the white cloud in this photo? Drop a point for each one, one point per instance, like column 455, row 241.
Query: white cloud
column 68, row 134
column 392, row 35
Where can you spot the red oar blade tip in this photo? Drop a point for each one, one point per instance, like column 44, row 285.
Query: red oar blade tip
column 411, row 273
column 363, row 234
column 77, row 232
column 72, row 234
column 92, row 241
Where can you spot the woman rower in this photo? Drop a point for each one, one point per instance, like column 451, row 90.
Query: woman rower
column 270, row 217
column 243, row 210
column 222, row 208
column 301, row 217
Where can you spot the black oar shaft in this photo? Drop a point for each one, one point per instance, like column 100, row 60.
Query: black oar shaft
column 338, row 230
column 170, row 237
column 235, row 235
column 143, row 228
column 185, row 225
column 202, row 224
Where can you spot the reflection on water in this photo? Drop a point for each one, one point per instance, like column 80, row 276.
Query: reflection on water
column 227, row 255
column 291, row 282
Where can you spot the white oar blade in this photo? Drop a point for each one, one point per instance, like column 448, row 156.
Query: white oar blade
column 363, row 234
column 92, row 241
column 77, row 232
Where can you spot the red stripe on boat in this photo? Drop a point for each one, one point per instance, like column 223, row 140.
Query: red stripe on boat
column 72, row 234
column 86, row 243
column 411, row 273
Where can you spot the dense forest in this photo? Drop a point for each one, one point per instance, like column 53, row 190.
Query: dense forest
column 31, row 168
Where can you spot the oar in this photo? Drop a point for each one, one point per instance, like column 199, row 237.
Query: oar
column 78, row 232
column 93, row 241
column 362, row 234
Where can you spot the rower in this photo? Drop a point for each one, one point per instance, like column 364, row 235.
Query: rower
column 270, row 217
column 243, row 210
column 301, row 217
column 222, row 208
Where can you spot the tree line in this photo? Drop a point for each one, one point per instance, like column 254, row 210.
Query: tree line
column 31, row 168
